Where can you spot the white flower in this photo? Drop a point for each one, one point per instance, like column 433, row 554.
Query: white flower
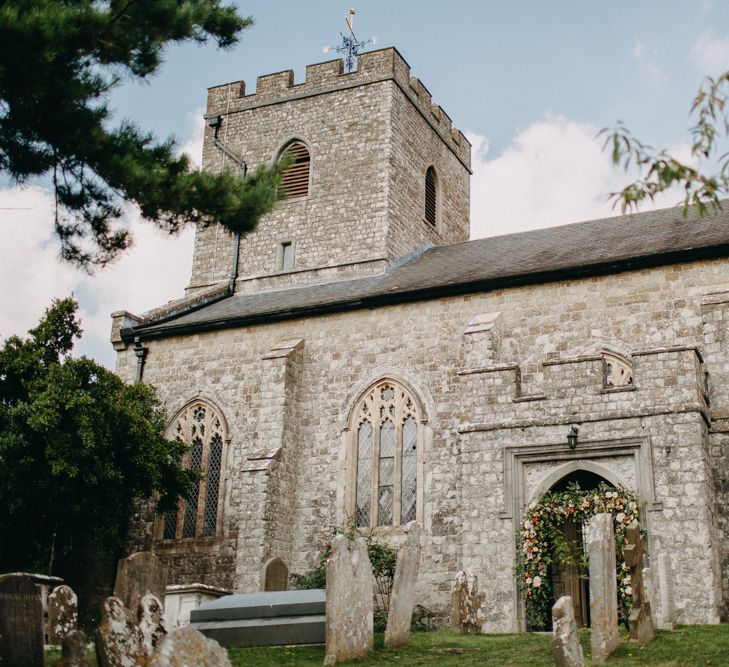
column 537, row 582
column 629, row 590
column 527, row 525
column 620, row 517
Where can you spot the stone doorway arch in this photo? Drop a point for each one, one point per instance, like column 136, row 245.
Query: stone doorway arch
column 573, row 580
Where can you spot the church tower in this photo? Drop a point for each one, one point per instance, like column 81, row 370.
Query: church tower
column 378, row 173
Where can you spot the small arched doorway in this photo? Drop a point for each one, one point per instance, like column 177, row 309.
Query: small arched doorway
column 572, row 579
column 276, row 576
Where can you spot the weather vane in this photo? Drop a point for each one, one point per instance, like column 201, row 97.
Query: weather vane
column 350, row 45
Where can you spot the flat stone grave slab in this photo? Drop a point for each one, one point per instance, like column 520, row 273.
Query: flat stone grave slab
column 264, row 619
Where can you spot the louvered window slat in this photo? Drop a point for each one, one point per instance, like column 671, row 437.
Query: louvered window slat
column 431, row 202
column 295, row 181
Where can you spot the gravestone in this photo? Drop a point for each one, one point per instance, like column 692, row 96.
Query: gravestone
column 600, row 542
column 666, row 612
column 137, row 574
column 349, row 606
column 73, row 650
column 187, row 647
column 639, row 620
column 21, row 622
column 466, row 603
column 151, row 619
column 650, row 590
column 119, row 642
column 565, row 638
column 62, row 613
column 402, row 595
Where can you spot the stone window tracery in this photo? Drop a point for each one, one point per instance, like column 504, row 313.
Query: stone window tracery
column 197, row 516
column 617, row 371
column 386, row 431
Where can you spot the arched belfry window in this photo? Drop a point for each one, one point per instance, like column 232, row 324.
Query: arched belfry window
column 386, row 432
column 198, row 515
column 431, row 196
column 295, row 181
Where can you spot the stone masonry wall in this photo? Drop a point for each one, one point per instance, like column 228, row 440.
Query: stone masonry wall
column 715, row 312
column 371, row 135
column 540, row 373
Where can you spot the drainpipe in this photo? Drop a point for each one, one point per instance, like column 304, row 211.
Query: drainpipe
column 140, row 352
column 215, row 122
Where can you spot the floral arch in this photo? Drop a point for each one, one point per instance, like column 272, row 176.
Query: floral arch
column 542, row 543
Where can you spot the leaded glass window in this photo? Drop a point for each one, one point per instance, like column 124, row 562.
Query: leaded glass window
column 203, row 428
column 385, row 457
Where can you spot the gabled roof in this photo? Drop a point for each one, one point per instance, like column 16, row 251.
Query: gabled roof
column 608, row 245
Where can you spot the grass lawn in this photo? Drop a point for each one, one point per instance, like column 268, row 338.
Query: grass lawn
column 691, row 645
column 687, row 645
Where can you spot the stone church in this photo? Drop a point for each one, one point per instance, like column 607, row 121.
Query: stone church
column 356, row 356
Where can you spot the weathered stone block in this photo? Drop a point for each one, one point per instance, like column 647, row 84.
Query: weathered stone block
column 402, row 595
column 349, row 610
column 186, row 647
column 62, row 613
column 565, row 638
column 137, row 574
column 21, row 622
column 466, row 603
column 600, row 542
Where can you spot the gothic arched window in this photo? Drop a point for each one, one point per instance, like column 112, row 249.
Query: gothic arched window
column 203, row 429
column 386, row 433
column 295, row 180
column 431, row 196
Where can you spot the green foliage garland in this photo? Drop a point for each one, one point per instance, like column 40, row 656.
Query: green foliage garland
column 542, row 542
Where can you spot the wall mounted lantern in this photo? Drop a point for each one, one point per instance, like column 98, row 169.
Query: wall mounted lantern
column 572, row 437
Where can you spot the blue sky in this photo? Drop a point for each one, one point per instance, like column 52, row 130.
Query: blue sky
column 530, row 82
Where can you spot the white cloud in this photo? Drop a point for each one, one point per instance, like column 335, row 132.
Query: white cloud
column 554, row 173
column 711, row 54
column 155, row 270
column 194, row 145
column 645, row 58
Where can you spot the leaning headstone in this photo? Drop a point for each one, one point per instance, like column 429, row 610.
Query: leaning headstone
column 650, row 590
column 137, row 574
column 21, row 622
column 600, row 541
column 73, row 650
column 151, row 618
column 402, row 595
column 639, row 620
column 186, row 647
column 565, row 639
column 62, row 613
column 666, row 611
column 119, row 642
column 349, row 608
column 466, row 603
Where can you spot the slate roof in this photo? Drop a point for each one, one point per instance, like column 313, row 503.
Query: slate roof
column 594, row 247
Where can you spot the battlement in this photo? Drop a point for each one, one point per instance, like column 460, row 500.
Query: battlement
column 326, row 77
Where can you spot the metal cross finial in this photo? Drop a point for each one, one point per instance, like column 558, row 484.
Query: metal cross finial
column 350, row 45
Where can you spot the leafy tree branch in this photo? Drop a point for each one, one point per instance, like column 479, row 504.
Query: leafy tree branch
column 60, row 60
column 660, row 171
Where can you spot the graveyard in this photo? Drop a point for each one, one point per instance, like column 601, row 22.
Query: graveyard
column 685, row 646
column 335, row 625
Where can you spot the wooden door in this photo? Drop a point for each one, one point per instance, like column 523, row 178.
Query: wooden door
column 571, row 579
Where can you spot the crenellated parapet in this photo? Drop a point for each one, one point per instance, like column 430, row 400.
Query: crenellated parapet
column 574, row 389
column 327, row 77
